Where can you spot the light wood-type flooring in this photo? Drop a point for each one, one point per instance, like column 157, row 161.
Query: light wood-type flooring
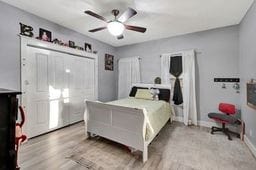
column 177, row 147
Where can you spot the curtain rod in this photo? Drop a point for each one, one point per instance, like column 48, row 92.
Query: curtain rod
column 127, row 57
column 180, row 51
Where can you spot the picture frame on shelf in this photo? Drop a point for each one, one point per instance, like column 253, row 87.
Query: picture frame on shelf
column 71, row 44
column 45, row 35
column 87, row 47
column 109, row 62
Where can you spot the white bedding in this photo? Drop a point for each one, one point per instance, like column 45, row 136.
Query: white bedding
column 157, row 113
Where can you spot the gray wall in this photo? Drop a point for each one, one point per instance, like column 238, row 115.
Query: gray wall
column 248, row 68
column 10, row 48
column 218, row 57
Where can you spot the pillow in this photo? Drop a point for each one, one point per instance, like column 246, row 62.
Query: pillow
column 134, row 90
column 143, row 94
column 163, row 95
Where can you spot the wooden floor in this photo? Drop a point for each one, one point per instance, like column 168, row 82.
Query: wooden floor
column 177, row 148
column 48, row 151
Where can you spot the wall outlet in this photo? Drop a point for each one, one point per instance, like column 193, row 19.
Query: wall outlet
column 250, row 133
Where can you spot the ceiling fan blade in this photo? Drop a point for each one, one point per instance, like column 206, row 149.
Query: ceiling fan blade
column 135, row 28
column 127, row 14
column 95, row 15
column 120, row 37
column 97, row 29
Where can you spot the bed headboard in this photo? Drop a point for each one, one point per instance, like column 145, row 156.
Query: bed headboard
column 164, row 90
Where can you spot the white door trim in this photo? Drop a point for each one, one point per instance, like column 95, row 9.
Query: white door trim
column 31, row 42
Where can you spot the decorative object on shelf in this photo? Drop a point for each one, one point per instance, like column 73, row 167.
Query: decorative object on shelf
column 66, row 44
column 56, row 41
column 61, row 43
column 157, row 80
column 26, row 30
column 87, row 47
column 45, row 35
column 109, row 62
column 71, row 44
column 79, row 48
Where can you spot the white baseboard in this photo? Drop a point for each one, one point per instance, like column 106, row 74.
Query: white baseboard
column 208, row 124
column 178, row 119
column 250, row 145
column 200, row 123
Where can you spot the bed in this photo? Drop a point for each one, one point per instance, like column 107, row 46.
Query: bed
column 132, row 121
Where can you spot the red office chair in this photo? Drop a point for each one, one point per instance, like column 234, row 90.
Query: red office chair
column 20, row 137
column 225, row 118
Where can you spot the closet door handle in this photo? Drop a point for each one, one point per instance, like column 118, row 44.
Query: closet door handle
column 26, row 82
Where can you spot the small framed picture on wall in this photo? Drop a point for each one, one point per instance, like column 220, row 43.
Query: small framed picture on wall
column 109, row 62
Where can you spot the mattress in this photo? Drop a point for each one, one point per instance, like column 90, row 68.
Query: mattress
column 157, row 113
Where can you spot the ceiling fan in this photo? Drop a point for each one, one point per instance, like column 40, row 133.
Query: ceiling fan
column 116, row 26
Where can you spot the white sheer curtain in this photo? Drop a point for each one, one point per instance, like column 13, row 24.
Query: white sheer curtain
column 165, row 68
column 188, row 76
column 128, row 73
column 165, row 75
column 189, row 89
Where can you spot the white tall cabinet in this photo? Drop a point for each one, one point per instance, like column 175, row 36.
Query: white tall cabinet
column 56, row 81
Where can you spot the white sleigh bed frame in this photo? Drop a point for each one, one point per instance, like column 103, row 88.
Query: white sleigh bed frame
column 124, row 125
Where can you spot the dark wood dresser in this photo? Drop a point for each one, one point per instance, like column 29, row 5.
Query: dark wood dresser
column 8, row 115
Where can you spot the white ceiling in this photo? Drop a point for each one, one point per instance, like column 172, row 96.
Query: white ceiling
column 162, row 18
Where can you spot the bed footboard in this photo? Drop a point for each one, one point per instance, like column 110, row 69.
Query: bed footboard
column 121, row 124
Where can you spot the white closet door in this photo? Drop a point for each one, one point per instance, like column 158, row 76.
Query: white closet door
column 81, row 85
column 59, row 109
column 55, row 85
column 39, row 75
column 124, row 78
column 128, row 74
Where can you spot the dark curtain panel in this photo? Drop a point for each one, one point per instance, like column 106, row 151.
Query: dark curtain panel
column 176, row 71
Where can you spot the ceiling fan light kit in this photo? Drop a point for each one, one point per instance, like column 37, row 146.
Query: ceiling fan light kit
column 116, row 27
